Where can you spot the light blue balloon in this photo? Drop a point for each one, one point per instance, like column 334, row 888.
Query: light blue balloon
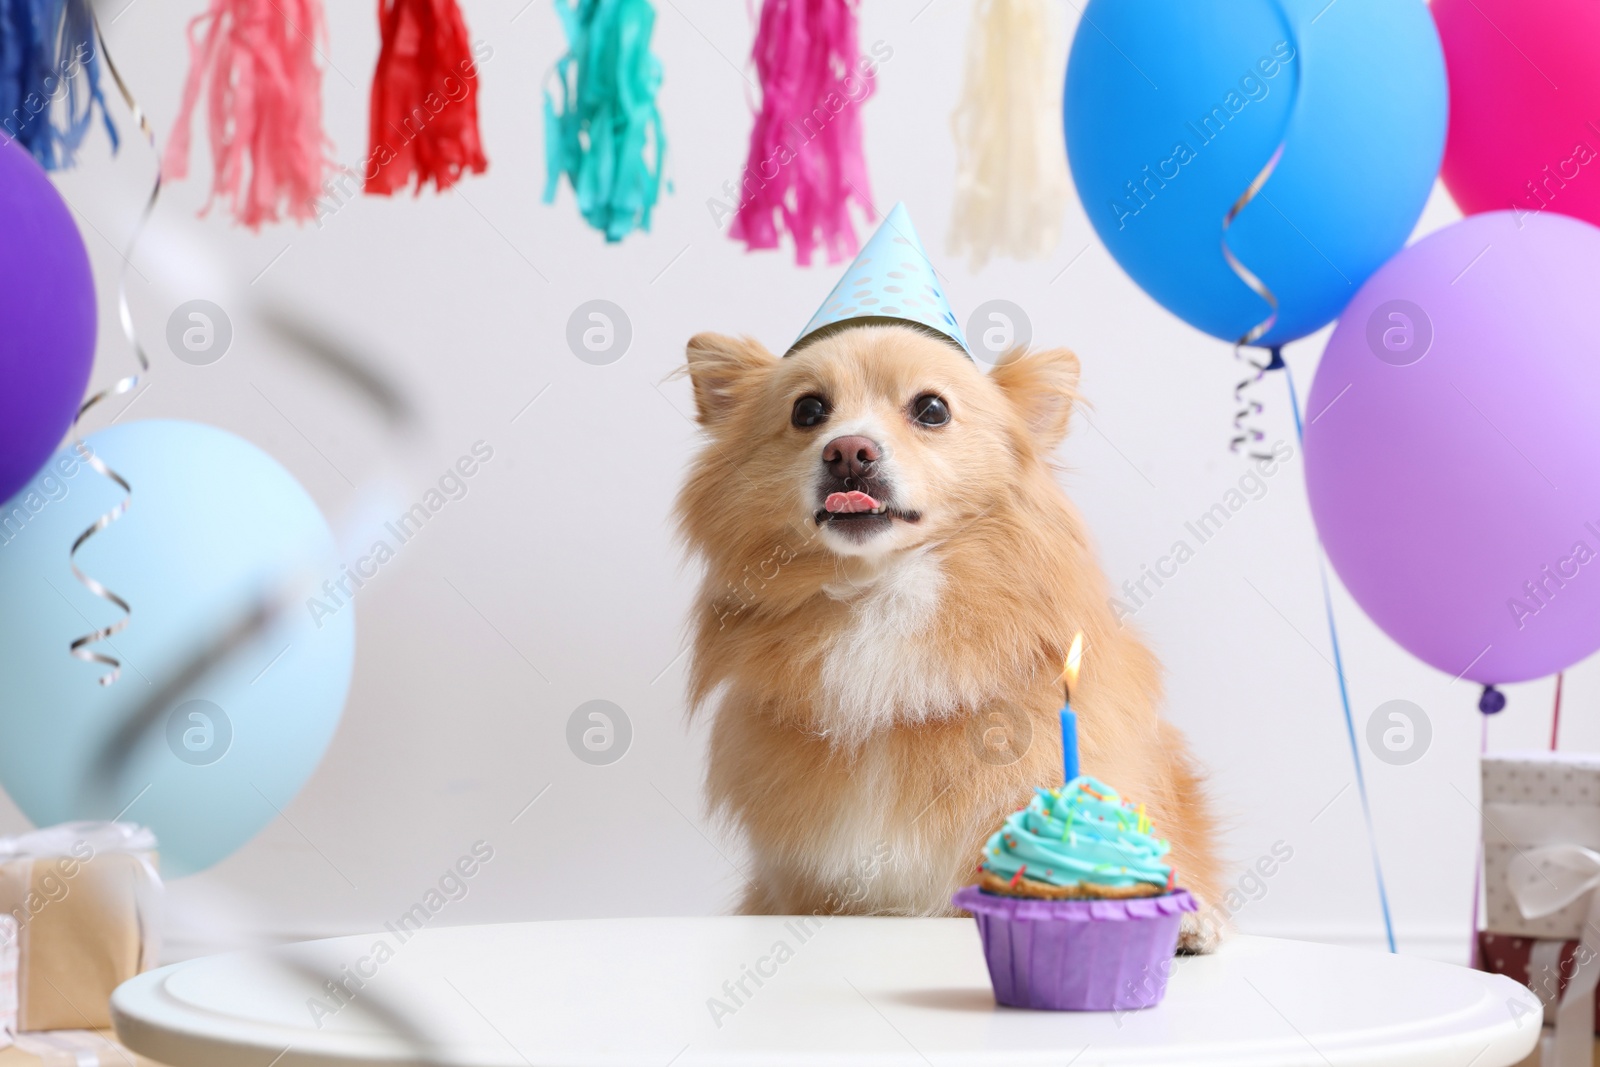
column 214, row 521
column 1172, row 107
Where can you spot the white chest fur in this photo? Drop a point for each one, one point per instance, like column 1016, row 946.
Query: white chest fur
column 880, row 667
column 878, row 857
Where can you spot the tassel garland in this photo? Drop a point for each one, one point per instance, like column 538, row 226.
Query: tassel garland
column 50, row 78
column 257, row 59
column 1011, row 158
column 424, row 99
column 606, row 135
column 805, row 165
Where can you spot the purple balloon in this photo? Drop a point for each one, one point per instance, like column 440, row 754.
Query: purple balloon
column 1453, row 446
column 47, row 318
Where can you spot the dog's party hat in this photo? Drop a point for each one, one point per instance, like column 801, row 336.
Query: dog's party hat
column 892, row 281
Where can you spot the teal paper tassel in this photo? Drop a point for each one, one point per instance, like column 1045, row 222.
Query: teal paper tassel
column 49, row 78
column 606, row 134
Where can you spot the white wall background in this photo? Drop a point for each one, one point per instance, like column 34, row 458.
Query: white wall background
column 564, row 544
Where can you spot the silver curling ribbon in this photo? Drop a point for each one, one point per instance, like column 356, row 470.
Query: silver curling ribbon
column 1246, row 408
column 80, row 646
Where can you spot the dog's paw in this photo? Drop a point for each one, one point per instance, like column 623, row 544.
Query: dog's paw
column 1201, row 932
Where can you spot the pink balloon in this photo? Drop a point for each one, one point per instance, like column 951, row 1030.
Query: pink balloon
column 1453, row 446
column 1524, row 105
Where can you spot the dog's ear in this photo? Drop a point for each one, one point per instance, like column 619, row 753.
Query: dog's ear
column 1043, row 386
column 717, row 365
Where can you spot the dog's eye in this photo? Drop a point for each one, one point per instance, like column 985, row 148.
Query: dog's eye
column 930, row 410
column 809, row 411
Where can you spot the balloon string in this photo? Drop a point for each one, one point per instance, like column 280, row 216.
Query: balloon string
column 1246, row 275
column 1473, row 952
column 79, row 646
column 1344, row 692
column 1555, row 714
column 1245, row 432
column 1247, row 408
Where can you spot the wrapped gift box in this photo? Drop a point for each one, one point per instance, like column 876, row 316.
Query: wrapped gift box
column 85, row 898
column 1537, row 1058
column 1533, row 800
column 8, row 980
column 71, row 1048
column 1543, row 966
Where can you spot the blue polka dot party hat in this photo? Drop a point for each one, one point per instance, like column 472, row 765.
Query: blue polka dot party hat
column 892, row 281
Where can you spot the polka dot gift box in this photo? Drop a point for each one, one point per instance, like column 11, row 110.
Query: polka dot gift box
column 1541, row 880
column 1541, row 811
column 891, row 281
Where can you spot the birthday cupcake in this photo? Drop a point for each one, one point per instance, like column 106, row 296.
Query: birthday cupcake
column 1075, row 903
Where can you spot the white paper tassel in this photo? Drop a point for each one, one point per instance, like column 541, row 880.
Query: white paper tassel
column 1011, row 160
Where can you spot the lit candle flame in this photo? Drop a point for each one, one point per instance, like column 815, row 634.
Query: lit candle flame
column 1069, row 670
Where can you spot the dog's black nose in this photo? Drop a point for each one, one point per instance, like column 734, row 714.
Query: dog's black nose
column 850, row 457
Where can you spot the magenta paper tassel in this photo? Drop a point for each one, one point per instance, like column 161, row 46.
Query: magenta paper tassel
column 805, row 164
column 257, row 60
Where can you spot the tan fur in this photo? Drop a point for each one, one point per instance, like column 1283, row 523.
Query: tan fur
column 871, row 701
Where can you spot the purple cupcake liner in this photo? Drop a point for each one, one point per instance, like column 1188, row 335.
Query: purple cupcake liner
column 1078, row 955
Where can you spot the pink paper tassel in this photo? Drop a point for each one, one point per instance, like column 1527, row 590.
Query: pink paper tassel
column 258, row 61
column 805, row 165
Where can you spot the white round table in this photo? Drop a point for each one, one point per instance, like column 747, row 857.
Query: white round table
column 759, row 991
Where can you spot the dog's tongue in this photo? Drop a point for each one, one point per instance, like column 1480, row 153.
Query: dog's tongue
column 849, row 503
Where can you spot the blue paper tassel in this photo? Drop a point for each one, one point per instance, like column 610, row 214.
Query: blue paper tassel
column 606, row 135
column 49, row 78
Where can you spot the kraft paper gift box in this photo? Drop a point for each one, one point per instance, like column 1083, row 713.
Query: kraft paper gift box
column 71, row 1048
column 1541, row 875
column 85, row 897
column 8, row 980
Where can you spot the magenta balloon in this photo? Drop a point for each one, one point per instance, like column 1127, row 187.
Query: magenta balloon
column 1453, row 446
column 1524, row 88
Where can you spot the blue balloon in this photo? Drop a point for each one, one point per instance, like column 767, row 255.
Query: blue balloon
column 1172, row 107
column 214, row 523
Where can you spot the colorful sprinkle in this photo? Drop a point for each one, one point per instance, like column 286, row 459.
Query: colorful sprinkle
column 1099, row 832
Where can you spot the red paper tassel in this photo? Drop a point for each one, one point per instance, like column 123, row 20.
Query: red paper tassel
column 805, row 164
column 424, row 99
column 264, row 107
